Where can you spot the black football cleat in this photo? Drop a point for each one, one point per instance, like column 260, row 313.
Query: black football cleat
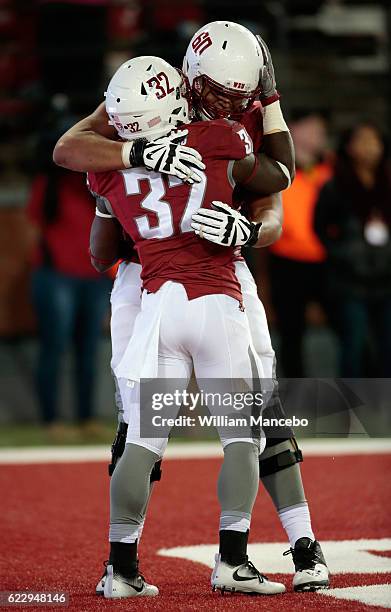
column 312, row 573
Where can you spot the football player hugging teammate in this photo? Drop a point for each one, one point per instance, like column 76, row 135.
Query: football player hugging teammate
column 187, row 139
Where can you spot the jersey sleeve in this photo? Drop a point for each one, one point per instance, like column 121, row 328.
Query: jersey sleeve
column 102, row 186
column 236, row 143
column 99, row 183
column 242, row 144
column 220, row 139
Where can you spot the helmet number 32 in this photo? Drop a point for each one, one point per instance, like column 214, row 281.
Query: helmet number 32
column 162, row 85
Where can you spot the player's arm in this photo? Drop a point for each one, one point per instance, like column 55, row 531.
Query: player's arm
column 106, row 238
column 92, row 145
column 277, row 142
column 260, row 175
column 269, row 213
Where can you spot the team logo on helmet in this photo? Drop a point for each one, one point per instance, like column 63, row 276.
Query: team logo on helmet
column 201, row 42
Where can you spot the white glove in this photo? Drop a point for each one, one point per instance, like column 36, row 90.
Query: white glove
column 167, row 155
column 224, row 225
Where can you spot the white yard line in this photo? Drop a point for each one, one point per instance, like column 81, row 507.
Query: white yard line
column 191, row 450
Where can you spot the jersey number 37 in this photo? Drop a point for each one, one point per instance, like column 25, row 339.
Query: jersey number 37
column 160, row 202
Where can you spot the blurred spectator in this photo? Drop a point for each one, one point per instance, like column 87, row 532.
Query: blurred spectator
column 70, row 298
column 296, row 260
column 353, row 221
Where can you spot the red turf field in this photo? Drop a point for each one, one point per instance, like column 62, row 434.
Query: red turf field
column 54, row 530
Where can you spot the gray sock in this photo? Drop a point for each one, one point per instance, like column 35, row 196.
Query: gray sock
column 238, row 485
column 285, row 487
column 129, row 492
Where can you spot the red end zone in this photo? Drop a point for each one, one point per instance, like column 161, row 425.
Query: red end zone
column 54, row 533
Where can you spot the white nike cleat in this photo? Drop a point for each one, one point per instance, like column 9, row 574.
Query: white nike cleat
column 243, row 578
column 312, row 579
column 117, row 586
column 312, row 573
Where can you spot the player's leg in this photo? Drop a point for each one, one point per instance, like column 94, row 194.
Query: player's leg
column 125, row 305
column 257, row 320
column 130, row 484
column 129, row 494
column 281, row 477
column 221, row 349
column 279, row 463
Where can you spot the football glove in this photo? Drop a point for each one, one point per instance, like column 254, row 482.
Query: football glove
column 223, row 225
column 169, row 156
column 269, row 93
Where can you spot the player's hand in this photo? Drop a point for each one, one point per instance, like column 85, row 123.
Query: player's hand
column 169, row 156
column 269, row 93
column 223, row 225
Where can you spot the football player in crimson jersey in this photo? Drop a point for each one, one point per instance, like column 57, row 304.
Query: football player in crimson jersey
column 218, row 71
column 191, row 315
column 92, row 145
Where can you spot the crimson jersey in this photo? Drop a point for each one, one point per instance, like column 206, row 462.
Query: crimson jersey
column 252, row 120
column 156, row 210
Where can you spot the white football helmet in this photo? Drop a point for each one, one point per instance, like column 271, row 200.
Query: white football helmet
column 224, row 58
column 147, row 98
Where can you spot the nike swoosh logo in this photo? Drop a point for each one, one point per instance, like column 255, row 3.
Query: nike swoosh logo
column 156, row 150
column 236, row 576
column 136, row 588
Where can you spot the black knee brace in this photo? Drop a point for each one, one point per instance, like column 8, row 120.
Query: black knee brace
column 282, row 458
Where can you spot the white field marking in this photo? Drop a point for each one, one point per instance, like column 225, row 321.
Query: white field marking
column 190, row 450
column 371, row 595
column 342, row 556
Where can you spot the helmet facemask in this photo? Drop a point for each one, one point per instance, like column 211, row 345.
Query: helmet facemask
column 215, row 101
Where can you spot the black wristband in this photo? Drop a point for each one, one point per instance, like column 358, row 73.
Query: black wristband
column 254, row 235
column 136, row 158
